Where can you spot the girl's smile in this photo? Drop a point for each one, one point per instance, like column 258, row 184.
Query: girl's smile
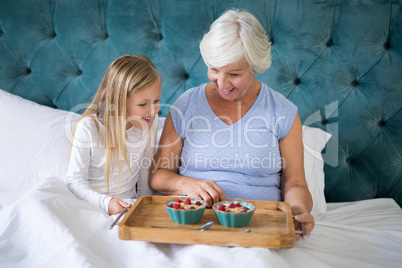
column 142, row 106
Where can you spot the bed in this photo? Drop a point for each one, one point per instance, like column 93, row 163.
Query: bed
column 339, row 61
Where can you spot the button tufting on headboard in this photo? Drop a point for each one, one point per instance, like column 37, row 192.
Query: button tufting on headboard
column 354, row 83
column 387, row 45
column 158, row 37
column 382, row 123
column 52, row 35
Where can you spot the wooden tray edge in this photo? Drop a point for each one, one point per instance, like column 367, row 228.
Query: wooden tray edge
column 126, row 232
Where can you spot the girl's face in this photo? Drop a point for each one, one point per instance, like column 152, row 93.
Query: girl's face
column 142, row 106
column 233, row 80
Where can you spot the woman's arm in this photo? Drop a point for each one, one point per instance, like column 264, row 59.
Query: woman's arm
column 294, row 186
column 164, row 173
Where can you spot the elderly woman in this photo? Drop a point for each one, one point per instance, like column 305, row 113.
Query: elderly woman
column 234, row 137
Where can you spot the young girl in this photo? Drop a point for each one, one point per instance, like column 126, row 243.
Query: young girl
column 114, row 140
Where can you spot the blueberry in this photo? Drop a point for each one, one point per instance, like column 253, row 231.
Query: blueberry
column 191, row 208
column 228, row 210
column 170, row 205
column 246, row 208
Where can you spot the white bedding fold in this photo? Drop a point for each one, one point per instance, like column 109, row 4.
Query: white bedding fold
column 49, row 227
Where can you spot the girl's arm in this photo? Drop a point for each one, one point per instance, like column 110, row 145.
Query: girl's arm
column 164, row 174
column 78, row 169
column 294, row 186
column 77, row 178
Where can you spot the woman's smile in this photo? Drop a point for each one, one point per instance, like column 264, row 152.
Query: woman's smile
column 232, row 81
column 227, row 92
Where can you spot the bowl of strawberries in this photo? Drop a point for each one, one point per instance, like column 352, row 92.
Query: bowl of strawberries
column 185, row 210
column 234, row 213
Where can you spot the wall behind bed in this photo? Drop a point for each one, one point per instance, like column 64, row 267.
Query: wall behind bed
column 340, row 62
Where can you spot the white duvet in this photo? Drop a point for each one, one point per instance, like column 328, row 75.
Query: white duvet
column 42, row 224
column 49, row 227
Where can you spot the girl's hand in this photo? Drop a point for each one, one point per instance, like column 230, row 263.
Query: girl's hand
column 117, row 205
column 308, row 221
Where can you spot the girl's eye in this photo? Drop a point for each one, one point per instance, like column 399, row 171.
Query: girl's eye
column 156, row 101
column 142, row 104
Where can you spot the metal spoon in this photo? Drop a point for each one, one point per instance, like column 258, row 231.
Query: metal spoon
column 202, row 228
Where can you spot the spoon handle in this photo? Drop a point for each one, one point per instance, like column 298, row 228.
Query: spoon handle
column 118, row 217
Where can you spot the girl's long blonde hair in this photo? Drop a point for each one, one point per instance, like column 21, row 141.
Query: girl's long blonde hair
column 126, row 75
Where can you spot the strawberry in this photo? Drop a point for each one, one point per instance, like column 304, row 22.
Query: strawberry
column 244, row 211
column 222, row 207
column 178, row 200
column 198, row 203
column 176, row 205
column 232, row 205
column 238, row 205
column 187, row 201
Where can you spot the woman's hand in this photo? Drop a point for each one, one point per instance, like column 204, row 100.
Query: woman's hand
column 205, row 190
column 308, row 221
column 117, row 205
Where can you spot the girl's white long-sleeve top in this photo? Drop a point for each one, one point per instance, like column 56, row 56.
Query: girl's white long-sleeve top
column 86, row 170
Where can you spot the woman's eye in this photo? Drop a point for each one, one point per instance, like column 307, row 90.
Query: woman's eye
column 142, row 104
column 156, row 101
column 234, row 75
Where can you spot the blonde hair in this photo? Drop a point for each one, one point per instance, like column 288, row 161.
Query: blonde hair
column 126, row 75
column 233, row 36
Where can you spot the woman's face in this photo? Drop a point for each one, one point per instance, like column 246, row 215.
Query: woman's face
column 142, row 106
column 233, row 80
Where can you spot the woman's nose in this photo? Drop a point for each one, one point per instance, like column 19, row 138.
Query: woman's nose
column 221, row 81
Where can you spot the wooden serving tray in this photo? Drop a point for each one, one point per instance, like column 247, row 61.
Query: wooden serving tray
column 271, row 226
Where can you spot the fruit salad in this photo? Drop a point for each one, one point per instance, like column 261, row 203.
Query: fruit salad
column 233, row 208
column 185, row 205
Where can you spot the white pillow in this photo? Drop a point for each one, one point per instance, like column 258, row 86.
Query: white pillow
column 35, row 143
column 314, row 141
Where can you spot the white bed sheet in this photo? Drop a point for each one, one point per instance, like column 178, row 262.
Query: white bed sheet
column 49, row 227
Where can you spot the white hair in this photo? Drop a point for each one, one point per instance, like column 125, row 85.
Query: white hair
column 233, row 36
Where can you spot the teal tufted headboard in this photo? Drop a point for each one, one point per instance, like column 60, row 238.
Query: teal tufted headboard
column 339, row 61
